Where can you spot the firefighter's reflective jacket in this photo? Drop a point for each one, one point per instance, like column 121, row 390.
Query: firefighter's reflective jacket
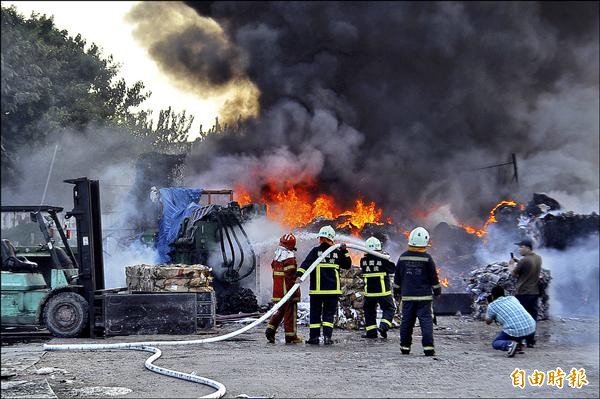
column 284, row 274
column 376, row 274
column 325, row 279
column 416, row 277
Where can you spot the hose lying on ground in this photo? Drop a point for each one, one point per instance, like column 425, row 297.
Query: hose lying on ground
column 151, row 346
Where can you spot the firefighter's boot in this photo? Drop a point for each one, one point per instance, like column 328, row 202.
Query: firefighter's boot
column 327, row 340
column 294, row 340
column 383, row 328
column 270, row 334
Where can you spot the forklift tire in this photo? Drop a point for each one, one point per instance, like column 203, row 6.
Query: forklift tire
column 66, row 315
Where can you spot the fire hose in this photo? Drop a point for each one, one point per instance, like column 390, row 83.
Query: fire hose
column 152, row 346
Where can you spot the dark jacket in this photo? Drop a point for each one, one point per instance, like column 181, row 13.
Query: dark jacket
column 325, row 279
column 376, row 274
column 416, row 277
column 528, row 271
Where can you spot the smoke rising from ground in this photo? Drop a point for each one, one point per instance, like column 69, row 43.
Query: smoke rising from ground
column 575, row 278
column 575, row 274
column 100, row 154
column 398, row 102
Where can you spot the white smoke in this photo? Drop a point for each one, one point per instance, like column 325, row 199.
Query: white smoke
column 573, row 289
column 119, row 254
column 575, row 278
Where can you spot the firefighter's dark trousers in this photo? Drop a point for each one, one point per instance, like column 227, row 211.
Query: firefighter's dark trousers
column 411, row 310
column 322, row 311
column 288, row 313
column 370, row 307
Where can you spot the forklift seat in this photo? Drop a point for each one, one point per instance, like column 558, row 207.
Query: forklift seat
column 13, row 263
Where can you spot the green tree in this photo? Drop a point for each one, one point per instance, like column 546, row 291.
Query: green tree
column 171, row 129
column 50, row 81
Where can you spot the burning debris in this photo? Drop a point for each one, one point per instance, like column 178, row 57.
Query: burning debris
column 298, row 207
column 484, row 279
column 169, row 278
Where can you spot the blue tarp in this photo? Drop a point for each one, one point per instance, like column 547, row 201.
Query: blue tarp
column 177, row 203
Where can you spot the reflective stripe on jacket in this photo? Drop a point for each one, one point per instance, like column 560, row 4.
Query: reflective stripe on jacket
column 284, row 274
column 376, row 272
column 325, row 279
column 416, row 278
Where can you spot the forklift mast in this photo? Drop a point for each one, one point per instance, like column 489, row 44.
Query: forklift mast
column 87, row 213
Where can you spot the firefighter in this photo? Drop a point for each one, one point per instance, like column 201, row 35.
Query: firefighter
column 414, row 280
column 324, row 285
column 284, row 276
column 376, row 274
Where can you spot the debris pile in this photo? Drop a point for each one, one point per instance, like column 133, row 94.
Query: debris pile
column 482, row 281
column 303, row 315
column 235, row 299
column 562, row 231
column 169, row 278
column 350, row 315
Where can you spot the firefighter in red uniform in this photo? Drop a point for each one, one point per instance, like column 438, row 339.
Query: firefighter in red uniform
column 284, row 275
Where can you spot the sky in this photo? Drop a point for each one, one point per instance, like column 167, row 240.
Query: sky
column 89, row 19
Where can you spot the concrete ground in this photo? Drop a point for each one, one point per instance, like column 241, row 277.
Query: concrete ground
column 465, row 365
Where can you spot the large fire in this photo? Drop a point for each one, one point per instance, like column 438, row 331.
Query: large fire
column 481, row 232
column 297, row 205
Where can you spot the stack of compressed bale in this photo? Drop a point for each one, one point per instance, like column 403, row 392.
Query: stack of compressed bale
column 169, row 278
column 482, row 281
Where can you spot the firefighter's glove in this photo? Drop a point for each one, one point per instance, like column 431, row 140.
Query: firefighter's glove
column 298, row 280
column 437, row 292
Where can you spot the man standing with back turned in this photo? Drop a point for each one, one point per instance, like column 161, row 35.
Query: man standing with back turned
column 415, row 283
column 527, row 270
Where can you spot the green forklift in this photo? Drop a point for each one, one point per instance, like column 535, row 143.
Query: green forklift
column 47, row 284
column 50, row 285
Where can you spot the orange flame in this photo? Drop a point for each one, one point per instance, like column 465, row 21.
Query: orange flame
column 242, row 196
column 296, row 206
column 481, row 232
column 443, row 281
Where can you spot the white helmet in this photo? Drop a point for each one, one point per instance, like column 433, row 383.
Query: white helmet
column 373, row 244
column 327, row 232
column 419, row 237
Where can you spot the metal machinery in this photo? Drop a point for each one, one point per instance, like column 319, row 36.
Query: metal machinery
column 64, row 289
column 217, row 229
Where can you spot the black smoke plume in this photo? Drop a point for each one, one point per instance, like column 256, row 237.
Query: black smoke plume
column 400, row 102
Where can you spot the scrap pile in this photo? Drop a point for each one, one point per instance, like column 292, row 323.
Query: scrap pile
column 482, row 281
column 350, row 315
column 169, row 278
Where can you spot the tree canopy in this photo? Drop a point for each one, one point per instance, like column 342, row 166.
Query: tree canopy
column 52, row 81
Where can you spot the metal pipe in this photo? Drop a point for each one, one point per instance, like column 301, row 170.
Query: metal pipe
column 151, row 346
